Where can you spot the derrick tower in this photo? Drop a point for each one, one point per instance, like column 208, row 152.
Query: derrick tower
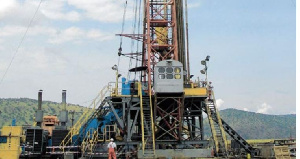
column 163, row 36
column 163, row 111
column 163, row 41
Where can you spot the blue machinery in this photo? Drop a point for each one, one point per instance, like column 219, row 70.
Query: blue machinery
column 130, row 114
column 96, row 125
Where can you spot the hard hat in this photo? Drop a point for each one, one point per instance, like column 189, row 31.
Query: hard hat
column 111, row 139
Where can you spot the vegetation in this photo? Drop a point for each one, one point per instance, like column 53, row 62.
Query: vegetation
column 249, row 125
column 23, row 110
column 252, row 125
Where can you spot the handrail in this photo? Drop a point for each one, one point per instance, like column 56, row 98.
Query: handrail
column 117, row 92
column 89, row 141
column 84, row 117
column 152, row 122
column 142, row 119
column 142, row 115
column 84, row 144
column 220, row 122
column 212, row 127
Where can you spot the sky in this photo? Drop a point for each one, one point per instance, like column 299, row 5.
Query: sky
column 71, row 44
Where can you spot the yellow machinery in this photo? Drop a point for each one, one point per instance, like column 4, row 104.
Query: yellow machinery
column 10, row 140
column 49, row 123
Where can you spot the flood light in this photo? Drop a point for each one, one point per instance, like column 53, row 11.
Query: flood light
column 203, row 71
column 207, row 58
column 115, row 67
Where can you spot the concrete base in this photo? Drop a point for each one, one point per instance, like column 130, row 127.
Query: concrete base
column 178, row 153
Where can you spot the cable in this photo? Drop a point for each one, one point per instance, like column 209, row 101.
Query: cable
column 123, row 24
column 22, row 39
column 121, row 38
column 137, row 45
column 134, row 10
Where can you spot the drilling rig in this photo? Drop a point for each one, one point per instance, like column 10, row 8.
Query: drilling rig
column 160, row 114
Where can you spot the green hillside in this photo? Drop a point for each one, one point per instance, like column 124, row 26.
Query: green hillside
column 23, row 110
column 249, row 125
column 252, row 125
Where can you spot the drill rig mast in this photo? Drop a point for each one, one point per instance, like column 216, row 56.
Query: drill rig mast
column 164, row 109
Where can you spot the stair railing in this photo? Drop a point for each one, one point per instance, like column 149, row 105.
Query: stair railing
column 84, row 118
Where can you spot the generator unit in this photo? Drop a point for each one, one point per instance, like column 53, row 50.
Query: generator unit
column 168, row 77
column 36, row 140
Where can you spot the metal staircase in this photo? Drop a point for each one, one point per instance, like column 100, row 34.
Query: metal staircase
column 89, row 142
column 99, row 113
column 84, row 134
column 148, row 138
column 234, row 135
column 85, row 117
column 215, row 119
column 217, row 129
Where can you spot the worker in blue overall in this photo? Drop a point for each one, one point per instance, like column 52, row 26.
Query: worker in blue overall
column 112, row 147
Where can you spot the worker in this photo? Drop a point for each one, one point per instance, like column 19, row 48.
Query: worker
column 112, row 149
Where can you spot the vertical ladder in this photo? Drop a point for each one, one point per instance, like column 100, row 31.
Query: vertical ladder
column 148, row 138
column 217, row 129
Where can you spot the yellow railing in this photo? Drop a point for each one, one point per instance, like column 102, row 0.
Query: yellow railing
column 85, row 141
column 113, row 90
column 213, row 130
column 152, row 122
column 142, row 119
column 220, row 122
column 84, row 117
column 118, row 91
column 142, row 115
column 89, row 141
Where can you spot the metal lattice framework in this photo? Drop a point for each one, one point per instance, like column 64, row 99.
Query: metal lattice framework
column 168, row 117
column 160, row 41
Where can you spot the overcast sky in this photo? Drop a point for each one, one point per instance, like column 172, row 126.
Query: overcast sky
column 71, row 45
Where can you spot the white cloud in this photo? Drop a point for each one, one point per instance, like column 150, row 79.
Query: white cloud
column 6, row 5
column 70, row 10
column 69, row 34
column 104, row 10
column 70, row 16
column 44, row 59
column 98, row 35
column 264, row 108
column 219, row 103
column 13, row 30
column 16, row 12
column 193, row 5
column 245, row 109
column 57, row 36
column 78, row 35
column 35, row 59
column 55, row 9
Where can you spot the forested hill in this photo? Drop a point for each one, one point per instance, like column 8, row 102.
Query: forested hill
column 252, row 125
column 249, row 125
column 23, row 110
